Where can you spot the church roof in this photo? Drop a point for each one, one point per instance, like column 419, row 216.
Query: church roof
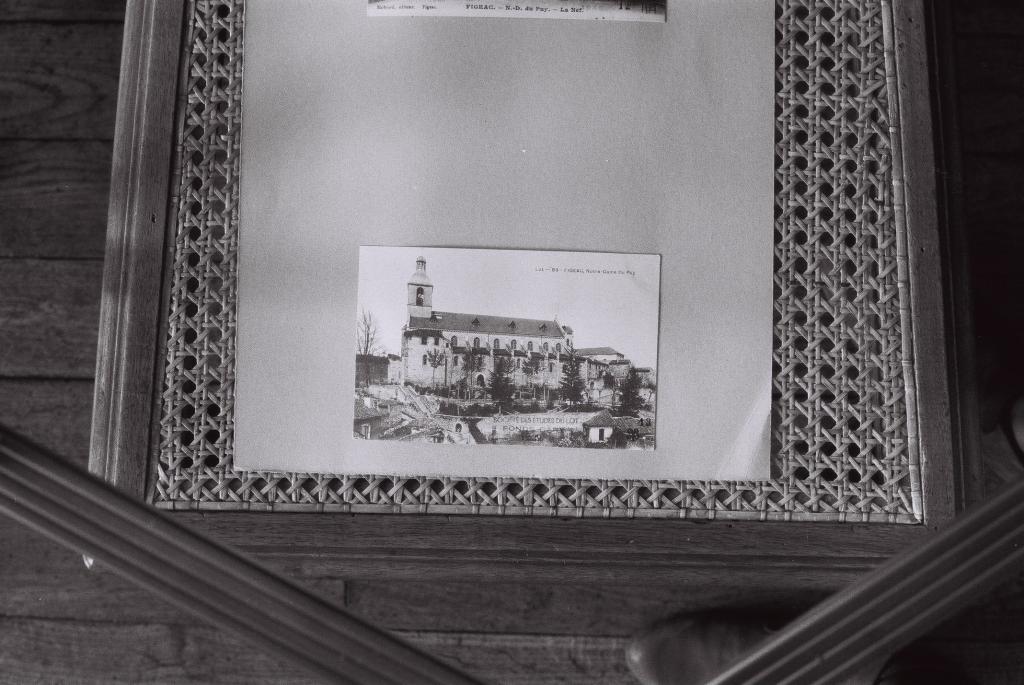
column 492, row 325
column 595, row 351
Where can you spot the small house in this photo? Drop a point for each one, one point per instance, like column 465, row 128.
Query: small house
column 599, row 428
column 367, row 423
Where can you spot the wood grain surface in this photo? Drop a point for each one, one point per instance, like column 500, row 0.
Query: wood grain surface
column 49, row 317
column 63, row 11
column 59, row 80
column 71, row 174
column 62, row 623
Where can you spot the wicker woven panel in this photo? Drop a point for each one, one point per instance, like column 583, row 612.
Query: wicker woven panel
column 843, row 446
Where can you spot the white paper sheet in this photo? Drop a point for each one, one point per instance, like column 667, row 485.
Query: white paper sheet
column 601, row 10
column 492, row 133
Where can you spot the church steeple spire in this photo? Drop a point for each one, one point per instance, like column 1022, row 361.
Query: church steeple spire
column 420, row 291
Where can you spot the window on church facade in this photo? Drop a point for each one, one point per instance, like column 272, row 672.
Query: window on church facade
column 513, row 345
column 423, row 340
column 419, row 297
column 529, row 346
column 497, row 344
column 455, row 361
column 455, row 341
column 476, row 342
column 436, row 340
column 558, row 347
column 545, row 347
column 551, row 366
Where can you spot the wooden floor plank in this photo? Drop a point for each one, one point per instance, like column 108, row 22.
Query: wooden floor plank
column 989, row 62
column 531, row 659
column 989, row 17
column 55, row 193
column 572, row 609
column 62, row 10
column 58, row 80
column 41, row 650
column 43, row 579
column 55, row 414
column 49, row 318
column 992, row 123
column 992, row 201
column 47, row 581
column 44, row 650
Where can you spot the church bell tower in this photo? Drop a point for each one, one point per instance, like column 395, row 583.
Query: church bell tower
column 420, row 291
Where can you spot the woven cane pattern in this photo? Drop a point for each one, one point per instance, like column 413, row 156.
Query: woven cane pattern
column 841, row 438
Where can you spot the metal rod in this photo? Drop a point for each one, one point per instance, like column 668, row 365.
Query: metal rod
column 896, row 603
column 78, row 510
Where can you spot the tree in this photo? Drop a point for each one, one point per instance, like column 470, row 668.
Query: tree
column 572, row 384
column 500, row 384
column 367, row 341
column 435, row 358
column 631, row 403
column 472, row 363
column 530, row 369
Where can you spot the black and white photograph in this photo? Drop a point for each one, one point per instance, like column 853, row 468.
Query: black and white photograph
column 417, row 341
column 507, row 347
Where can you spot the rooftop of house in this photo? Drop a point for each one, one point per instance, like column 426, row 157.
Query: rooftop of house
column 364, row 413
column 597, row 351
column 602, row 419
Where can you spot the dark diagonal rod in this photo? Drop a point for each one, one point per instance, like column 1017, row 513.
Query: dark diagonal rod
column 78, row 510
column 897, row 602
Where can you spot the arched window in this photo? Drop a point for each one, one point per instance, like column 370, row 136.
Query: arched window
column 419, row 297
column 424, row 360
column 455, row 361
column 513, row 345
column 458, row 428
column 519, row 364
column 551, row 366
column 455, row 341
column 476, row 342
column 545, row 347
column 529, row 346
column 497, row 344
column 558, row 347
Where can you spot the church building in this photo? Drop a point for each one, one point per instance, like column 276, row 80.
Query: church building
column 436, row 345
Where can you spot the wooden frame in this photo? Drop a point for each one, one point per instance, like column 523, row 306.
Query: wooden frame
column 801, row 556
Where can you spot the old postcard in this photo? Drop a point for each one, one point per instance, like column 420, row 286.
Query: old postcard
column 603, row 10
column 601, row 188
column 445, row 355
